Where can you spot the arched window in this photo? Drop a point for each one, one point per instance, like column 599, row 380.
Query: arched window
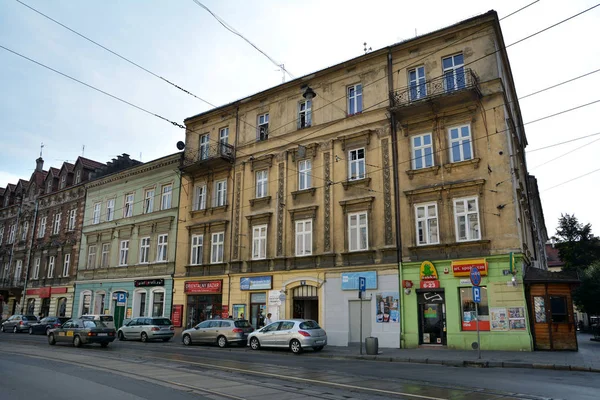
column 99, row 302
column 158, row 302
column 61, row 307
column 140, row 303
column 85, row 302
column 30, row 306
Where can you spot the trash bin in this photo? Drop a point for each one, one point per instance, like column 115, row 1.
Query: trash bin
column 372, row 345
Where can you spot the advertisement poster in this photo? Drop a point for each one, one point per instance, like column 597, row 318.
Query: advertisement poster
column 224, row 311
column 350, row 280
column 176, row 315
column 516, row 318
column 387, row 307
column 239, row 311
column 499, row 319
column 127, row 313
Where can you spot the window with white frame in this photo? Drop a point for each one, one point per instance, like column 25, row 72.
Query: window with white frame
column 466, row 219
column 200, row 197
column 96, row 214
column 426, row 219
column 217, row 247
column 91, row 257
column 18, row 270
column 358, row 235
column 259, row 242
column 356, row 164
column 24, row 230
column 49, row 187
column 148, row 201
column 220, row 198
column 167, row 195
column 12, row 232
column 36, row 268
column 422, row 151
column 158, row 303
column 224, row 141
column 56, row 226
column 105, row 255
column 304, row 174
column 416, row 82
column 123, row 252
column 77, row 176
column 355, row 104
column 63, row 181
column 161, row 249
column 454, row 72
column 99, row 303
column 1, row 234
column 66, row 265
column 110, row 209
column 140, row 298
column 304, row 237
column 262, row 123
column 204, row 146
column 262, row 178
column 460, row 143
column 144, row 250
column 42, row 227
column 86, row 302
column 72, row 219
column 128, row 206
column 51, row 261
column 197, row 249
column 304, row 114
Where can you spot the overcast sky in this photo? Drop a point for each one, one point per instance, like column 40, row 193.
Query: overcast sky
column 180, row 41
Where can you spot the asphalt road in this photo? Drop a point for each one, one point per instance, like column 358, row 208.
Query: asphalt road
column 279, row 374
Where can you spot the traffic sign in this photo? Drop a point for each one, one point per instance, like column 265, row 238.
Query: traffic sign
column 362, row 283
column 475, row 276
column 121, row 299
column 476, row 294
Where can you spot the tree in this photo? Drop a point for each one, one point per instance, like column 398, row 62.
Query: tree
column 577, row 246
column 586, row 296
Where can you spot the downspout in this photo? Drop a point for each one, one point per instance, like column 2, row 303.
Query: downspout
column 29, row 252
column 231, row 232
column 12, row 248
column 396, row 189
column 179, row 173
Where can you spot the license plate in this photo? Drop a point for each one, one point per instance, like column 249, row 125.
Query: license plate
column 103, row 334
column 319, row 342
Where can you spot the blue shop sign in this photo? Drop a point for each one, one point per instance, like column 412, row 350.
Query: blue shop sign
column 350, row 280
column 256, row 283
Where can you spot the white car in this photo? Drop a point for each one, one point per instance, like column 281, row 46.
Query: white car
column 295, row 334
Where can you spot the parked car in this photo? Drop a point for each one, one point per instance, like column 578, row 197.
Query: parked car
column 18, row 323
column 107, row 320
column 45, row 324
column 295, row 334
column 82, row 331
column 146, row 329
column 219, row 331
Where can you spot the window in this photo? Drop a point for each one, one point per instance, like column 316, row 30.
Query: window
column 105, row 255
column 142, row 312
column 356, row 167
column 427, row 224
column 85, row 304
column 49, row 188
column 304, row 238
column 66, row 264
column 259, row 242
column 558, row 309
column 454, row 72
column 197, row 244
column 358, row 236
column 148, row 201
column 304, row 175
column 36, row 268
column 167, row 193
column 144, row 250
column 11, row 235
column 355, row 99
column 261, row 183
column 91, row 257
column 204, row 147
column 51, row 262
column 124, row 252
column 466, row 219
column 416, row 79
column 42, row 228
column 422, row 149
column 539, row 305
column 460, row 143
column 263, row 127
column 25, row 229
column 217, row 240
column 1, row 234
column 63, row 181
column 77, row 176
column 18, row 270
column 56, row 226
column 128, row 208
column 99, row 300
column 72, row 216
column 220, row 193
column 110, row 209
column 96, row 216
column 158, row 300
column 161, row 250
column 467, row 308
column 224, row 136
column 304, row 114
column 200, row 198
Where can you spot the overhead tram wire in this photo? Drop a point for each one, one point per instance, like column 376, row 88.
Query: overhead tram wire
column 565, row 142
column 570, row 180
column 563, row 155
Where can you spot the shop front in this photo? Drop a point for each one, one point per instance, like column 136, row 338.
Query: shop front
column 49, row 301
column 204, row 300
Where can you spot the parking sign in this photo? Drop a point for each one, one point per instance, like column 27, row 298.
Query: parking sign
column 477, row 294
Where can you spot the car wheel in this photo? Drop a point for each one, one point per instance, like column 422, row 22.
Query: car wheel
column 318, row 348
column 187, row 340
column 166, row 339
column 51, row 340
column 254, row 344
column 2, row 328
column 31, row 331
column 144, row 337
column 222, row 341
column 121, row 336
column 295, row 346
column 15, row 330
column 104, row 345
column 47, row 331
column 77, row 341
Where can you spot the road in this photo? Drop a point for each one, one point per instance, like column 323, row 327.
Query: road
column 134, row 370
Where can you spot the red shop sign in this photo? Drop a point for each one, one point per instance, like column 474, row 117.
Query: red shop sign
column 177, row 314
column 58, row 290
column 199, row 287
column 430, row 284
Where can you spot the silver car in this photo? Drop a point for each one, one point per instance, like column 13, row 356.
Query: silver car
column 219, row 331
column 18, row 323
column 295, row 334
column 145, row 329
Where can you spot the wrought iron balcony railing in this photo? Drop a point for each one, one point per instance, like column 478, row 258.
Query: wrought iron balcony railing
column 8, row 283
column 451, row 82
column 209, row 153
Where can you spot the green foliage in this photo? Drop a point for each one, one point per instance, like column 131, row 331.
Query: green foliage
column 587, row 295
column 577, row 246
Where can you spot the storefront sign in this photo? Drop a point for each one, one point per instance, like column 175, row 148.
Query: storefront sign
column 149, row 282
column 406, row 284
column 256, row 283
column 463, row 267
column 470, row 323
column 428, row 271
column 59, row 290
column 350, row 280
column 430, row 284
column 200, row 287
column 177, row 314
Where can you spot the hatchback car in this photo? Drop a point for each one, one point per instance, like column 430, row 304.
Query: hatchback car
column 295, row 334
column 82, row 331
column 18, row 323
column 45, row 324
column 145, row 329
column 219, row 331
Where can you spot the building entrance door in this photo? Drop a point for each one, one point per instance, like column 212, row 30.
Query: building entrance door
column 355, row 322
column 432, row 317
column 306, row 303
column 258, row 307
column 45, row 308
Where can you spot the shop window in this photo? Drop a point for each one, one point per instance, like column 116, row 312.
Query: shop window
column 558, row 308
column 86, row 303
column 99, row 303
column 61, row 307
column 140, row 304
column 158, row 301
column 539, row 305
column 467, row 310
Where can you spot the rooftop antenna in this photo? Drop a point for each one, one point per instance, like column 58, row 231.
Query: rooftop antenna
column 367, row 50
column 82, row 150
column 41, row 149
column 140, row 156
column 282, row 69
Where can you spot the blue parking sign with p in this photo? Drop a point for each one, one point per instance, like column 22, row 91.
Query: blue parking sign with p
column 477, row 294
column 121, row 299
column 362, row 283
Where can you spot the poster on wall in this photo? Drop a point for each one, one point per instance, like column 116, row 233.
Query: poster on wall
column 387, row 307
column 127, row 313
column 516, row 318
column 224, row 311
column 177, row 314
column 499, row 319
column 239, row 311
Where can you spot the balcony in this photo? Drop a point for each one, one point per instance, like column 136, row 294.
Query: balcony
column 209, row 156
column 12, row 283
column 450, row 89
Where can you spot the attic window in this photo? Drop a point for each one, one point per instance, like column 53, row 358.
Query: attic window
column 49, row 187
column 77, row 176
column 63, row 181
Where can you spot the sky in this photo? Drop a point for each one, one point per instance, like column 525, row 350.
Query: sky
column 182, row 42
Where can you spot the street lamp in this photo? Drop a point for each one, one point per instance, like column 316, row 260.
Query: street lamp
column 309, row 94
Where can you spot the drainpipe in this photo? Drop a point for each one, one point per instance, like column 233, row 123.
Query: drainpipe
column 179, row 173
column 12, row 248
column 396, row 190
column 231, row 232
column 29, row 253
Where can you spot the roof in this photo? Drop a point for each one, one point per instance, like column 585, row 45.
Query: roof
column 536, row 275
column 54, row 171
column 89, row 164
column 553, row 256
column 68, row 166
column 38, row 177
column 2, row 191
column 11, row 187
column 23, row 183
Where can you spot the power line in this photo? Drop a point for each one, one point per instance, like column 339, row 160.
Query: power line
column 116, row 54
column 571, row 180
column 565, row 142
column 559, row 84
column 564, row 154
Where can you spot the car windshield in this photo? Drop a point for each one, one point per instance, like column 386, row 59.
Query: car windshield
column 242, row 324
column 161, row 321
column 309, row 325
column 93, row 324
column 106, row 318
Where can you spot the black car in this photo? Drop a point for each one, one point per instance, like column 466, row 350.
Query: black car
column 44, row 326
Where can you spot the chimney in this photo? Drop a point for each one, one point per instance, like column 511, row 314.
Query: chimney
column 39, row 164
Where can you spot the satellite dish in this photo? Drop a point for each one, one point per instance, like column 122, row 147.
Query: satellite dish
column 180, row 145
